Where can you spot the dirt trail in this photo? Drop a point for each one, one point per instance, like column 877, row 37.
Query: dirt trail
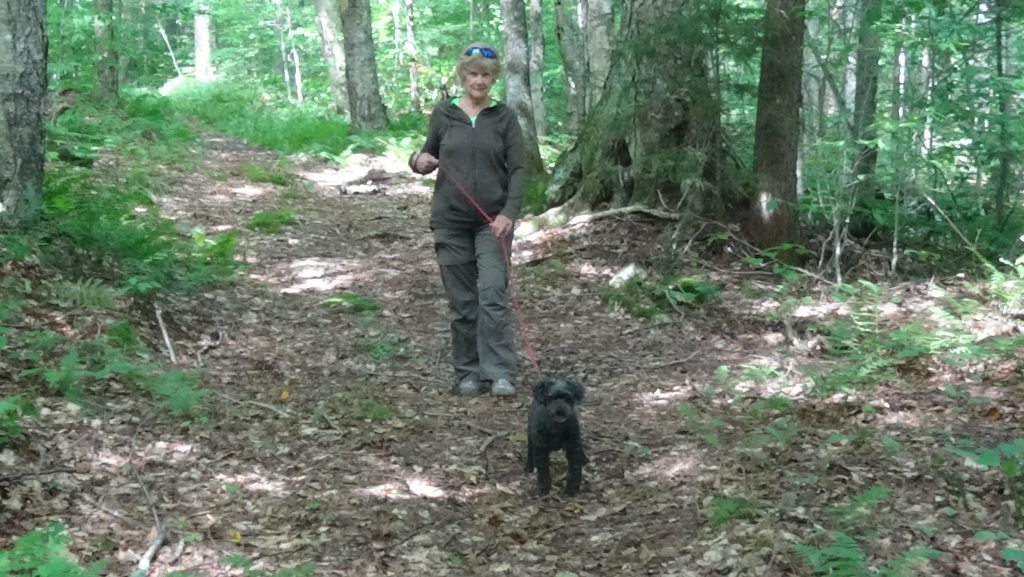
column 333, row 437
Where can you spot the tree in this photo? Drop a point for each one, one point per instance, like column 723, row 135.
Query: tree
column 598, row 22
column 328, row 22
column 865, row 107
column 22, row 94
column 517, row 81
column 106, row 56
column 203, row 44
column 414, row 55
column 361, row 67
column 654, row 135
column 570, row 46
column 773, row 217
column 536, row 33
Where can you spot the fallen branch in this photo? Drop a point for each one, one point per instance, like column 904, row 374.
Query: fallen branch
column 161, row 532
column 487, row 443
column 266, row 406
column 557, row 218
column 147, row 558
column 167, row 338
column 672, row 363
column 17, row 476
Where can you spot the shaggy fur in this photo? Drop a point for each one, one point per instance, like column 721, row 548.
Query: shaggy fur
column 553, row 426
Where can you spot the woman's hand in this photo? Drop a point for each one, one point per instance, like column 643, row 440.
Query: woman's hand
column 501, row 226
column 425, row 163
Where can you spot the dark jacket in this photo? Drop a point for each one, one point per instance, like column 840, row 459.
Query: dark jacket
column 485, row 160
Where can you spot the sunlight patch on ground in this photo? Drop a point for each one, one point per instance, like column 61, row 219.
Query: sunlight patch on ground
column 411, row 488
column 674, row 465
column 254, row 482
column 168, row 451
column 905, row 418
column 249, row 190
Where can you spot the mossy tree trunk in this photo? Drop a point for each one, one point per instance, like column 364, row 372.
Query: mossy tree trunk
column 654, row 136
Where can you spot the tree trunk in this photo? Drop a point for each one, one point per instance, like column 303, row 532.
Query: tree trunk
column 517, row 81
column 203, row 50
column 328, row 22
column 570, row 45
column 653, row 137
column 282, row 47
column 773, row 217
column 361, row 67
column 297, row 68
column 414, row 55
column 865, row 107
column 536, row 33
column 22, row 94
column 598, row 25
column 106, row 56
column 1003, row 172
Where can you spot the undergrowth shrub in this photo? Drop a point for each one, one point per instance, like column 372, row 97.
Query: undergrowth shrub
column 44, row 553
column 12, row 411
column 646, row 299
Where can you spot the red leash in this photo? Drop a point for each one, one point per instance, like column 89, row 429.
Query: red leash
column 508, row 270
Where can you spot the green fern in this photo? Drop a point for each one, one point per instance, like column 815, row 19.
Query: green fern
column 89, row 293
column 860, row 505
column 843, row 558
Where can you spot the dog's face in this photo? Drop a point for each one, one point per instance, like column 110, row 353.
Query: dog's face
column 559, row 398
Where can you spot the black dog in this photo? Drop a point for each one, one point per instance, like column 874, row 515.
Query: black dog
column 553, row 426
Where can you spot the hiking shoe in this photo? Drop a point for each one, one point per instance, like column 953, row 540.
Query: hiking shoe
column 468, row 387
column 502, row 388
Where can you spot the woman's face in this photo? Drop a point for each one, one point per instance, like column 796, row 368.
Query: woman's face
column 477, row 82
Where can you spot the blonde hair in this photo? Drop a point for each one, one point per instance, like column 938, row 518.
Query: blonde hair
column 467, row 61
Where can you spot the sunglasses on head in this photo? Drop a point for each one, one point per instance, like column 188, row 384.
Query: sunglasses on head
column 485, row 52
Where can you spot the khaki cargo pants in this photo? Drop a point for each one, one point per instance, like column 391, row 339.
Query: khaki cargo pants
column 474, row 272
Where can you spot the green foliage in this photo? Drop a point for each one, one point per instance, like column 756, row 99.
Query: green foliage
column 1008, row 458
column 374, row 411
column 726, row 509
column 71, row 367
column 12, row 411
column 860, row 506
column 230, row 108
column 645, row 299
column 43, row 553
column 844, row 557
column 705, row 426
column 383, row 347
column 88, row 293
column 257, row 173
column 271, row 221
column 246, row 565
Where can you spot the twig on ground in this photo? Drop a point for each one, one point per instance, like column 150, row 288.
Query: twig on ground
column 161, row 532
column 91, row 501
column 167, row 338
column 473, row 425
column 266, row 406
column 487, row 442
column 16, row 476
column 672, row 363
column 178, row 551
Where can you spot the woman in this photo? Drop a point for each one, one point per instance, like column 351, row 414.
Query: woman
column 477, row 143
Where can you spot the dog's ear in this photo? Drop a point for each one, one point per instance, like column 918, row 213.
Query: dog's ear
column 540, row 390
column 577, row 391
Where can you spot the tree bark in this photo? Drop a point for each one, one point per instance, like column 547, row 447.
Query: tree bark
column 203, row 44
column 773, row 217
column 414, row 55
column 597, row 35
column 1003, row 172
column 536, row 33
column 106, row 56
column 22, row 94
column 328, row 22
column 865, row 107
column 570, row 45
column 517, row 81
column 654, row 136
column 361, row 67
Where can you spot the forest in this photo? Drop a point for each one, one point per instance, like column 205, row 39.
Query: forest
column 780, row 243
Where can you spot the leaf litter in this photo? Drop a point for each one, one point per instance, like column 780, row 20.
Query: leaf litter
column 333, row 437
